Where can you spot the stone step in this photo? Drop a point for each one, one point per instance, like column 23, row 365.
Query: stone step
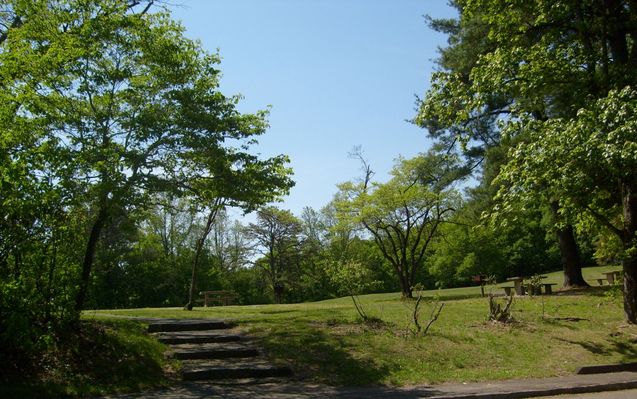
column 209, row 351
column 237, row 369
column 196, row 337
column 212, row 351
column 187, row 325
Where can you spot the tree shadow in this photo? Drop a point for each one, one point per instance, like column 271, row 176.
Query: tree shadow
column 94, row 357
column 277, row 311
column 561, row 323
column 593, row 290
column 316, row 355
column 613, row 346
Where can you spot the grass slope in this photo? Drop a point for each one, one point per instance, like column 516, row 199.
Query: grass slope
column 102, row 357
column 325, row 342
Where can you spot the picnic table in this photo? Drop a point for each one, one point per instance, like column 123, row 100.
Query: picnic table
column 219, row 297
column 610, row 277
column 518, row 286
column 548, row 290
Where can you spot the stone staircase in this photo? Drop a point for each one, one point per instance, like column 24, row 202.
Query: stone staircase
column 211, row 350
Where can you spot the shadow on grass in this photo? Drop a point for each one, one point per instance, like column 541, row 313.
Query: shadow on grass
column 454, row 297
column 276, row 311
column 570, row 325
column 593, row 290
column 627, row 351
column 102, row 357
column 121, row 356
column 319, row 356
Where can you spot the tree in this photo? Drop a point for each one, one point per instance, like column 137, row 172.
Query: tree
column 42, row 220
column 568, row 67
column 352, row 278
column 233, row 178
column 314, row 281
column 276, row 237
column 227, row 244
column 171, row 220
column 456, row 111
column 104, row 105
column 404, row 214
column 599, row 145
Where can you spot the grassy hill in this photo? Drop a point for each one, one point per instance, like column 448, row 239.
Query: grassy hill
column 327, row 342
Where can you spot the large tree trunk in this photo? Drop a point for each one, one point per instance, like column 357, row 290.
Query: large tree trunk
column 405, row 284
column 629, row 240
column 195, row 264
column 630, row 288
column 278, row 288
column 89, row 257
column 571, row 263
column 569, row 253
column 193, row 276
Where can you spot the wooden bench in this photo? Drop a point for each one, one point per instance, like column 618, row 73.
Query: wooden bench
column 222, row 298
column 548, row 288
column 537, row 290
column 518, row 283
column 610, row 277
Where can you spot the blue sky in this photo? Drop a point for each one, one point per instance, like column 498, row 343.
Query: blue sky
column 337, row 74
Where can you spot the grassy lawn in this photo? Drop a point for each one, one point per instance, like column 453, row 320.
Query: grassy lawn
column 326, row 342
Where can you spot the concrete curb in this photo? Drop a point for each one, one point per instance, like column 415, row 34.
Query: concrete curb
column 540, row 387
column 541, row 393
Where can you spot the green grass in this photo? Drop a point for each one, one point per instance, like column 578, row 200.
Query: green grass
column 326, row 342
column 104, row 356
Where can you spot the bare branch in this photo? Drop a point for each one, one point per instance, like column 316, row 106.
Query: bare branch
column 368, row 173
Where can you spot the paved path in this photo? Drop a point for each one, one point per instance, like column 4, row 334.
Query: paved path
column 509, row 389
column 629, row 394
